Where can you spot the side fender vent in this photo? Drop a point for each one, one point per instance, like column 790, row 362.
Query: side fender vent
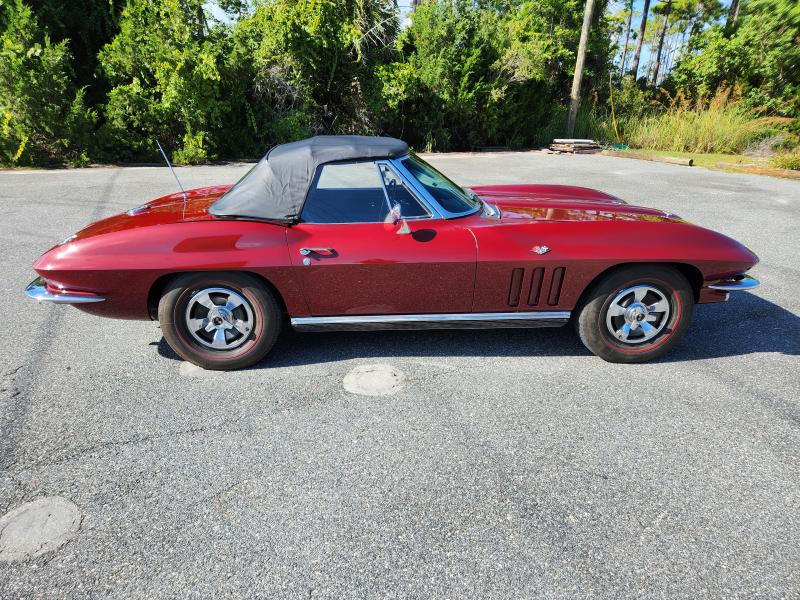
column 536, row 286
column 516, row 287
column 555, row 286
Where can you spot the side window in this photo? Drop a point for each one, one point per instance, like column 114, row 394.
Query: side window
column 345, row 193
column 398, row 193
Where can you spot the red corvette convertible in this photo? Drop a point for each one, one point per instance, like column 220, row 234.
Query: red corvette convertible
column 350, row 232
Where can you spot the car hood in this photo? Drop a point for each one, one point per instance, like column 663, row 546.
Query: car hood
column 564, row 203
column 161, row 211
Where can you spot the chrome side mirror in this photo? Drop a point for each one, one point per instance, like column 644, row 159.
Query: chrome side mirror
column 395, row 217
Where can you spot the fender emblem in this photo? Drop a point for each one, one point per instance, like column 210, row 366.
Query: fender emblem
column 540, row 249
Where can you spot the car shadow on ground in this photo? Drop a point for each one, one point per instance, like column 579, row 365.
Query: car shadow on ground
column 746, row 324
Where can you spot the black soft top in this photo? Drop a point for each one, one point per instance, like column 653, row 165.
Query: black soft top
column 275, row 189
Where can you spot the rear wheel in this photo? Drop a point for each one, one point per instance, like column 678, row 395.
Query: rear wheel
column 636, row 313
column 219, row 321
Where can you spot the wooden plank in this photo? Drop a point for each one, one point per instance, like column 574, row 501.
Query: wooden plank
column 573, row 141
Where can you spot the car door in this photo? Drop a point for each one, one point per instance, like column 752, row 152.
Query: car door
column 349, row 261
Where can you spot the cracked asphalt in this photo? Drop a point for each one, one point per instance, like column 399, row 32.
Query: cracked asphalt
column 510, row 464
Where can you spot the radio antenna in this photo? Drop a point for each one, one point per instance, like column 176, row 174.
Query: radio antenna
column 169, row 164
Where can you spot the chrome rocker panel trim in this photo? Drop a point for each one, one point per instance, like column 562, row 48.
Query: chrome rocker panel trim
column 38, row 291
column 432, row 321
column 744, row 283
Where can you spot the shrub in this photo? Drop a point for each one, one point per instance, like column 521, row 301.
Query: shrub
column 440, row 95
column 164, row 67
column 193, row 151
column 314, row 63
column 486, row 73
column 44, row 118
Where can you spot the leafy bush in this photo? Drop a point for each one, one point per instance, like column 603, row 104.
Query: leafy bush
column 164, row 66
column 44, row 119
column 485, row 73
column 314, row 62
column 632, row 102
column 86, row 26
column 193, row 150
column 441, row 95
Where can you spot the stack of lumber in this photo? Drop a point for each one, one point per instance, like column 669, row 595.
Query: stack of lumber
column 575, row 146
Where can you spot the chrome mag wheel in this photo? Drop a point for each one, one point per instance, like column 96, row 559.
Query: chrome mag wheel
column 638, row 314
column 219, row 318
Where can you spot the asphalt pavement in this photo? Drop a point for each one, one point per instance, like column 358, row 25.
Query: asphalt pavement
column 505, row 464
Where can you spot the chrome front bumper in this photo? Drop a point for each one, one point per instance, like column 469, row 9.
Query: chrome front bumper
column 737, row 284
column 39, row 292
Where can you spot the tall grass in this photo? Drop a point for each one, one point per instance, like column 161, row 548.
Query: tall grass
column 721, row 126
column 786, row 160
column 590, row 123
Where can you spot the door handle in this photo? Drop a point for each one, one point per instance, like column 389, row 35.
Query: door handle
column 321, row 251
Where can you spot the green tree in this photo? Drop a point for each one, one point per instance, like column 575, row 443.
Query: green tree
column 640, row 40
column 624, row 18
column 695, row 15
column 86, row 26
column 43, row 118
column 760, row 54
column 165, row 70
column 314, row 63
column 234, row 8
column 488, row 73
column 443, row 92
column 664, row 9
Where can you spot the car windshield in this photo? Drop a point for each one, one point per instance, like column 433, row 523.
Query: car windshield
column 449, row 196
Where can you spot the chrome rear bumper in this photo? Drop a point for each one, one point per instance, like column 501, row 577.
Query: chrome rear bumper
column 737, row 284
column 39, row 292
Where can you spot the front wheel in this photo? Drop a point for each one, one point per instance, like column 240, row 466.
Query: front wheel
column 636, row 313
column 220, row 321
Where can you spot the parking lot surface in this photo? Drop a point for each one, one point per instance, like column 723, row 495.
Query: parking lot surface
column 497, row 464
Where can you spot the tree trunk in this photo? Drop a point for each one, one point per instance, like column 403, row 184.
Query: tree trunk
column 661, row 42
column 694, row 31
column 640, row 41
column 627, row 37
column 201, row 20
column 575, row 95
column 669, row 55
column 733, row 14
